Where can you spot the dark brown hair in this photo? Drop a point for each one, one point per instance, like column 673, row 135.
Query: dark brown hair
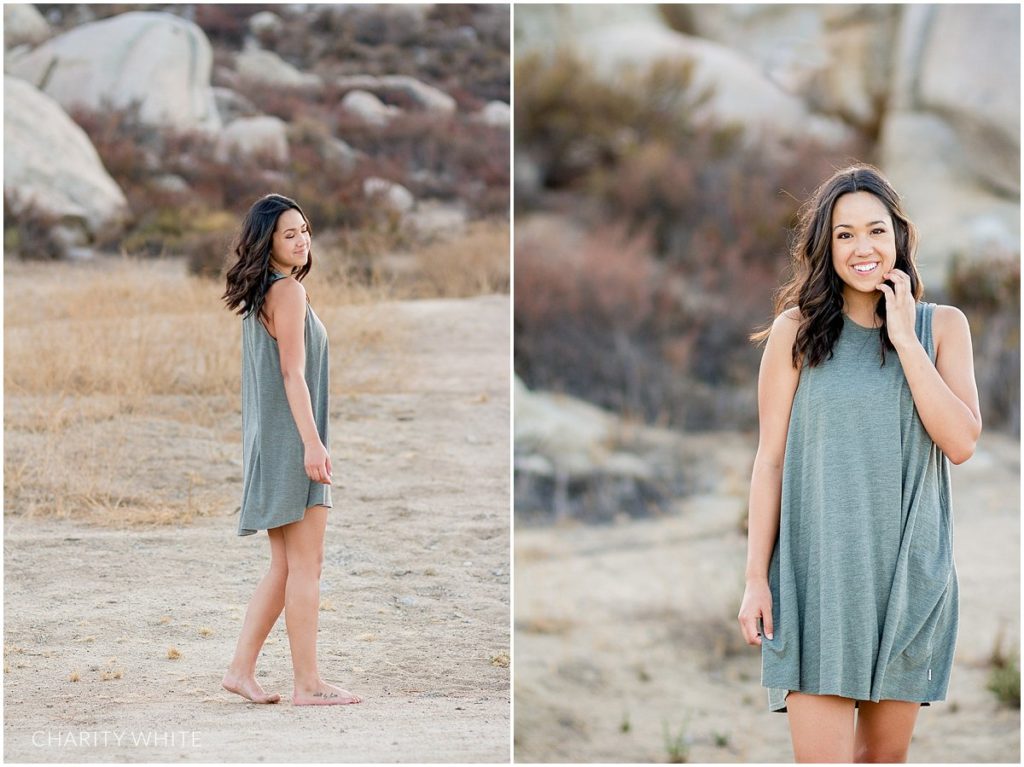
column 248, row 279
column 815, row 288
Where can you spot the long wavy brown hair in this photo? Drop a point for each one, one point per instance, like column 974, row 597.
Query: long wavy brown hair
column 248, row 279
column 815, row 287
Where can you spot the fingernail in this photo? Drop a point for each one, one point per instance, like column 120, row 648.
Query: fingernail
column 769, row 636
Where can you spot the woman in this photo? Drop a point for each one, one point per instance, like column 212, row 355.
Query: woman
column 864, row 396
column 287, row 468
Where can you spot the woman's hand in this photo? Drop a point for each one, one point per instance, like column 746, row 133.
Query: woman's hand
column 900, row 309
column 318, row 462
column 757, row 603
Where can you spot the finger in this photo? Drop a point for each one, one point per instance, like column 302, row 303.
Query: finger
column 902, row 282
column 889, row 295
column 746, row 630
column 329, row 472
column 750, row 630
column 768, row 623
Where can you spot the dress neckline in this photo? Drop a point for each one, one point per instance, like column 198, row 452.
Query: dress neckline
column 857, row 325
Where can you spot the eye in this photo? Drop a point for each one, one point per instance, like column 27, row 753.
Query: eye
column 880, row 230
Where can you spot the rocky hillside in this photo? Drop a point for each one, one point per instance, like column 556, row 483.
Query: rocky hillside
column 662, row 153
column 163, row 122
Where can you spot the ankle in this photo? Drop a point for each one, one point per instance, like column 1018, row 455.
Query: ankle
column 310, row 683
column 241, row 673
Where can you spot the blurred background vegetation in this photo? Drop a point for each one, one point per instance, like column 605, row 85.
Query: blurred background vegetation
column 376, row 189
column 652, row 223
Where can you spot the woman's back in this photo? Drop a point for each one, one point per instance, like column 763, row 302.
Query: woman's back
column 275, row 487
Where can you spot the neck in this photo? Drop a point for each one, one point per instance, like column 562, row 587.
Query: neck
column 861, row 307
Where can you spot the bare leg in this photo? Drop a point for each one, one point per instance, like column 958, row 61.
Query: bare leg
column 884, row 730
column 265, row 607
column 821, row 727
column 304, row 546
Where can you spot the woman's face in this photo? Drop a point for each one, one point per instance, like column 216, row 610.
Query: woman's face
column 863, row 242
column 290, row 245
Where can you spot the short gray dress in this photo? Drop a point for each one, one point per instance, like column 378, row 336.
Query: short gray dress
column 275, row 487
column 864, row 588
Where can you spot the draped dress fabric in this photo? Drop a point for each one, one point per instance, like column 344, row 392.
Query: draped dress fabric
column 275, row 487
column 864, row 588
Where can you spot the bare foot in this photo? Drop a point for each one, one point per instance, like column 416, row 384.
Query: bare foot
column 323, row 695
column 248, row 688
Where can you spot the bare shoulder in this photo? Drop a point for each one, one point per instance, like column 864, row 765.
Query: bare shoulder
column 785, row 326
column 948, row 322
column 285, row 294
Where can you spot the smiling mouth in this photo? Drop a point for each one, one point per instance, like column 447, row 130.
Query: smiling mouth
column 866, row 268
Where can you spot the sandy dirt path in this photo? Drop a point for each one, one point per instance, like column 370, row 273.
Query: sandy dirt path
column 627, row 643
column 415, row 590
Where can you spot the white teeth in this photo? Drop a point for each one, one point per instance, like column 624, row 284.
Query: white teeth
column 864, row 267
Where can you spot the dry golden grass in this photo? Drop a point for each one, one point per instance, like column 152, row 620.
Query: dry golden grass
column 122, row 382
column 468, row 266
column 173, row 653
column 122, row 375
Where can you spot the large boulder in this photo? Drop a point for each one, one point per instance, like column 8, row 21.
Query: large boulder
column 637, row 37
column 969, row 72
column 573, row 459
column 264, row 135
column 423, row 96
column 497, row 114
column 837, row 58
column 367, row 108
column 266, row 67
column 158, row 59
column 392, row 195
column 265, row 26
column 49, row 162
column 24, row 25
column 951, row 140
column 957, row 213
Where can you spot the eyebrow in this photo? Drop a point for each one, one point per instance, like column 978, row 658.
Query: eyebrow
column 292, row 228
column 872, row 223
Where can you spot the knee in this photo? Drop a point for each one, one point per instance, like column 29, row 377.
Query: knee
column 307, row 568
column 881, row 754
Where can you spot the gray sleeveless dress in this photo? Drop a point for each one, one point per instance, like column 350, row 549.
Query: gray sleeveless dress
column 275, row 487
column 864, row 588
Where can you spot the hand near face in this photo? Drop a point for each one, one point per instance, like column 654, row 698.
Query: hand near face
column 900, row 308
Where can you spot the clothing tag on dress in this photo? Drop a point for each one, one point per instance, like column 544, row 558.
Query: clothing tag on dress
column 929, row 674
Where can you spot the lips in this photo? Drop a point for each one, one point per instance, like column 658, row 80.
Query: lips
column 867, row 267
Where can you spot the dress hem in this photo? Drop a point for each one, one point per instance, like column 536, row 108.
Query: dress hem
column 244, row 531
column 782, row 709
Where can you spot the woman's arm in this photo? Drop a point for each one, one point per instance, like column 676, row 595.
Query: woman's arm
column 945, row 393
column 776, row 385
column 289, row 314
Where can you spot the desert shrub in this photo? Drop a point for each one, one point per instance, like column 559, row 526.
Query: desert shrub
column 699, row 215
column 1004, row 673
column 475, row 263
column 29, row 230
column 987, row 289
column 456, row 160
column 228, row 24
